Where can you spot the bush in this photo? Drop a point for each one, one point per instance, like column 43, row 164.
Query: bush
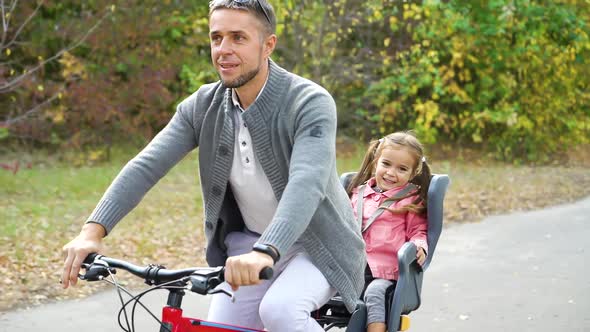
column 511, row 76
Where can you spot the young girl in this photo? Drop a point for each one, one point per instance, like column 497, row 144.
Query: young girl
column 389, row 198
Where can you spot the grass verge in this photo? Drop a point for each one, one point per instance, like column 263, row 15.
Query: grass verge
column 43, row 207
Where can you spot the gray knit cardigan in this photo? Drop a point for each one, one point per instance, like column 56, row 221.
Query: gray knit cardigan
column 293, row 129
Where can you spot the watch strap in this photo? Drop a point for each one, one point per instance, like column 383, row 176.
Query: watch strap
column 266, row 249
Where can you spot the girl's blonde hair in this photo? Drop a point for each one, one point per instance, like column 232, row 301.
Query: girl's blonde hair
column 421, row 176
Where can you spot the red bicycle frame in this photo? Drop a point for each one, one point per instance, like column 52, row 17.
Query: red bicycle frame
column 173, row 319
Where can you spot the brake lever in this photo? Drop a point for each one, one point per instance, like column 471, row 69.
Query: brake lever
column 232, row 298
column 207, row 284
column 205, row 280
column 96, row 271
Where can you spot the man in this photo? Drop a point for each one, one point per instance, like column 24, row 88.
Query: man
column 271, row 194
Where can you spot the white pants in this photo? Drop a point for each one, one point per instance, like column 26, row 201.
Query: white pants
column 282, row 304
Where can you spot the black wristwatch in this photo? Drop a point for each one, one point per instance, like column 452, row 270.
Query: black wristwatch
column 266, row 249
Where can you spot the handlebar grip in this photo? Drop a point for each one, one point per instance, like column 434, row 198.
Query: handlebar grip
column 266, row 273
column 90, row 258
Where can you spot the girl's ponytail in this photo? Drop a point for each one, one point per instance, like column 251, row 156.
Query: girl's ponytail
column 366, row 170
column 422, row 180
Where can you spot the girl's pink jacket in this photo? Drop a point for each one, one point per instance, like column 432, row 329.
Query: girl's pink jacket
column 389, row 231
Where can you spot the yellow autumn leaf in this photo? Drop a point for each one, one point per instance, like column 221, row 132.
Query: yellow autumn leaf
column 58, row 118
column 476, row 138
column 8, row 52
column 72, row 66
column 95, row 155
column 472, row 58
column 386, row 42
column 378, row 15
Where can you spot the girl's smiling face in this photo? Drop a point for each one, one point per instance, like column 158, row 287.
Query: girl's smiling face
column 395, row 167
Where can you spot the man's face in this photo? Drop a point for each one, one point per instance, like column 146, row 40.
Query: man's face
column 237, row 48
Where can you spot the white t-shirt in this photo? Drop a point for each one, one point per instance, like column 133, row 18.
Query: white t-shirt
column 249, row 184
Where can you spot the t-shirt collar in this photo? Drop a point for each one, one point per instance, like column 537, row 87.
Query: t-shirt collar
column 236, row 101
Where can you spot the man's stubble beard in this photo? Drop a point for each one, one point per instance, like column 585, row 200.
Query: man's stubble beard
column 241, row 80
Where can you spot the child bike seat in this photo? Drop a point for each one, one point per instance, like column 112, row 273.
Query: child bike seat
column 407, row 293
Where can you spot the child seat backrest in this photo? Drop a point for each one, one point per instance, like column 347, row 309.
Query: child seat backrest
column 439, row 184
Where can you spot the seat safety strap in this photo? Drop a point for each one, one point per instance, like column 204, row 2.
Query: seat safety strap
column 400, row 194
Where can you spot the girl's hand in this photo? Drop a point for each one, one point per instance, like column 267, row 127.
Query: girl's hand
column 421, row 256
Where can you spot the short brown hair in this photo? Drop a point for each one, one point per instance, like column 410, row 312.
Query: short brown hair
column 261, row 9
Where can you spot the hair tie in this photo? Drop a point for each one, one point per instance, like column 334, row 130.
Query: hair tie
column 423, row 159
column 380, row 140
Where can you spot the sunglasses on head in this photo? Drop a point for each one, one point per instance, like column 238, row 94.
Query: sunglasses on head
column 243, row 2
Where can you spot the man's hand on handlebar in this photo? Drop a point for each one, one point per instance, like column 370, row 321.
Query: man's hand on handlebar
column 88, row 241
column 243, row 270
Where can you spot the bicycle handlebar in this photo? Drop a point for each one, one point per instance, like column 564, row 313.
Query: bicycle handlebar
column 204, row 278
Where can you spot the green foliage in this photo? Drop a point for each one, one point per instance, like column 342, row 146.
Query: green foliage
column 4, row 133
column 132, row 83
column 123, row 80
column 510, row 76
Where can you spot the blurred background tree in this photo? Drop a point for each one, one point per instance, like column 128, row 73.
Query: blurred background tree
column 508, row 76
column 32, row 43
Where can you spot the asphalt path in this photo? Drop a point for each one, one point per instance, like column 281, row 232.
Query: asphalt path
column 525, row 271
